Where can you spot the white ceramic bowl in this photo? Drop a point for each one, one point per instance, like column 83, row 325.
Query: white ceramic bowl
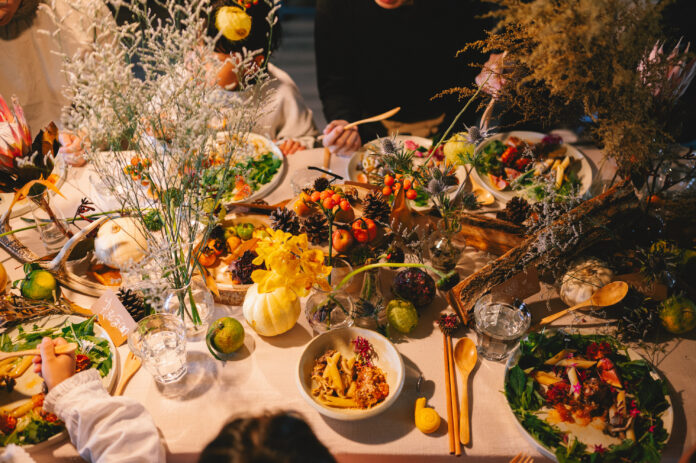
column 387, row 358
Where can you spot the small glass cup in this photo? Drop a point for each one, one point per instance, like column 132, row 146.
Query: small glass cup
column 49, row 220
column 499, row 326
column 326, row 311
column 160, row 342
column 305, row 179
column 202, row 298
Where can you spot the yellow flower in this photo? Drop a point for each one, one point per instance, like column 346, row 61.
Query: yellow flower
column 289, row 263
column 233, row 22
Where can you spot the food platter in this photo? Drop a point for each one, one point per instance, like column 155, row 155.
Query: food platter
column 341, row 340
column 355, row 171
column 29, row 383
column 581, row 166
column 592, row 429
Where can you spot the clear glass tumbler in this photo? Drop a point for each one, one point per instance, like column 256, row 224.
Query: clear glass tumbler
column 498, row 327
column 50, row 221
column 160, row 342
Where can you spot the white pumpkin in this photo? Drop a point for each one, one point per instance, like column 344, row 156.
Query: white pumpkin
column 271, row 314
column 583, row 279
column 120, row 241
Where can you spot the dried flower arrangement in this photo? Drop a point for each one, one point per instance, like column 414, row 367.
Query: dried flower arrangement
column 168, row 119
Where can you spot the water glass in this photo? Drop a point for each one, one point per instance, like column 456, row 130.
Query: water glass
column 499, row 326
column 160, row 342
column 50, row 222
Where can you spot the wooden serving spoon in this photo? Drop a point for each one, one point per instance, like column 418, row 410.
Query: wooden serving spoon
column 606, row 296
column 465, row 357
column 130, row 367
column 483, row 196
column 68, row 348
column 379, row 117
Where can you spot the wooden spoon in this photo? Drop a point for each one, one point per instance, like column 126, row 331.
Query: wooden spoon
column 483, row 196
column 465, row 357
column 68, row 348
column 131, row 366
column 606, row 296
column 379, row 117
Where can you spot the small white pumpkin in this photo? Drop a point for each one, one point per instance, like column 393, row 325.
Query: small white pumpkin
column 271, row 314
column 120, row 241
column 583, row 279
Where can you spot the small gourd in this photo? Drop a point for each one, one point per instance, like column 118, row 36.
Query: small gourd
column 583, row 279
column 273, row 313
column 427, row 419
column 119, row 242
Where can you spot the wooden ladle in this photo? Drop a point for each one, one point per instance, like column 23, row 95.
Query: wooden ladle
column 68, row 348
column 378, row 117
column 465, row 357
column 606, row 296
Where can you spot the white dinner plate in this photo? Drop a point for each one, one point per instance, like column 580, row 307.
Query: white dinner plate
column 584, row 173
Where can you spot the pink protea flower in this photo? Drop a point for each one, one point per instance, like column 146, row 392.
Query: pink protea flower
column 679, row 72
column 18, row 143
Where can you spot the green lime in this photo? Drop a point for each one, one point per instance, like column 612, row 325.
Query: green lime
column 402, row 315
column 226, row 335
column 39, row 285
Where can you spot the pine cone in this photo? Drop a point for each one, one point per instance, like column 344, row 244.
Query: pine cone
column 376, row 207
column 241, row 268
column 286, row 220
column 317, row 228
column 321, row 184
column 134, row 303
column 516, row 211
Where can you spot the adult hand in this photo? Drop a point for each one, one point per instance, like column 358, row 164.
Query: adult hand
column 290, row 147
column 491, row 79
column 72, row 149
column 339, row 140
column 54, row 368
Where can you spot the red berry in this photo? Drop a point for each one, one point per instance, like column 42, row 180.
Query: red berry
column 329, row 203
column 345, row 205
column 411, row 194
column 326, row 194
column 386, row 191
column 316, row 196
column 407, row 184
column 388, row 180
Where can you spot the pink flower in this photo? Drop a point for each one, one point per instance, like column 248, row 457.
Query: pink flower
column 678, row 72
column 577, row 387
column 599, row 448
column 18, row 142
column 635, row 412
column 651, row 428
column 411, row 145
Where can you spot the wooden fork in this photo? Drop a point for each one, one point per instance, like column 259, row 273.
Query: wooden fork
column 131, row 365
column 522, row 458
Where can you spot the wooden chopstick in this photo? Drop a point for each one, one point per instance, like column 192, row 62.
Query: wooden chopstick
column 454, row 397
column 450, row 422
column 327, row 158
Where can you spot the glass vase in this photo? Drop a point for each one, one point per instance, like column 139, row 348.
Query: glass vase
column 180, row 302
column 370, row 308
column 327, row 311
column 50, row 221
column 445, row 248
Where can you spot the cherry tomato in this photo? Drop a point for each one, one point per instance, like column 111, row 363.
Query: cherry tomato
column 315, row 196
column 386, row 191
column 411, row 194
column 407, row 184
column 396, row 187
column 329, row 203
column 336, row 197
column 398, row 176
column 388, row 180
column 326, row 194
column 344, row 205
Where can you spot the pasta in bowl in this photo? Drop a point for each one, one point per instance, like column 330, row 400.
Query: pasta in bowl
column 350, row 374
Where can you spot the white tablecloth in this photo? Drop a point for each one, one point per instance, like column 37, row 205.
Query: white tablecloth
column 190, row 413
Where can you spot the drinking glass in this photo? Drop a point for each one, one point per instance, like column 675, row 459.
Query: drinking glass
column 49, row 220
column 304, row 179
column 499, row 326
column 160, row 342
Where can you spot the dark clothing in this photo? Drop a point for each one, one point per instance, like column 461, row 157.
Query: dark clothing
column 370, row 59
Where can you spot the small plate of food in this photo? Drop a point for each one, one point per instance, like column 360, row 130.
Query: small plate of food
column 529, row 164
column 23, row 421
column 587, row 398
column 350, row 374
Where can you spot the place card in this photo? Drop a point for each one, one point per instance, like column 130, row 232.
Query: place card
column 111, row 315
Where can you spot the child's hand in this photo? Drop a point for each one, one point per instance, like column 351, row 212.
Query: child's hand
column 54, row 368
column 290, row 147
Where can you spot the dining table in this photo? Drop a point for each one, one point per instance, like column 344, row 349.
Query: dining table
column 263, row 377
